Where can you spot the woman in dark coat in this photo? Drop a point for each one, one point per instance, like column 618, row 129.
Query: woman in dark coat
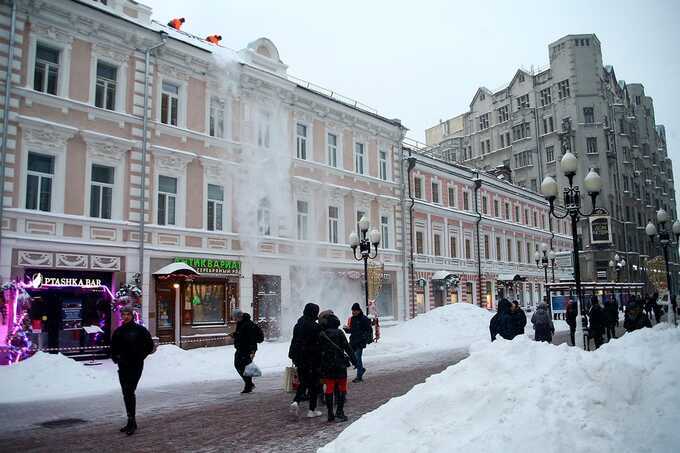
column 597, row 322
column 336, row 355
column 571, row 315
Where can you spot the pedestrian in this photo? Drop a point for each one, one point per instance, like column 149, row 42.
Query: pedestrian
column 543, row 325
column 674, row 308
column 649, row 307
column 305, row 352
column 597, row 321
column 571, row 315
column 361, row 334
column 611, row 311
column 656, row 307
column 131, row 343
column 519, row 319
column 501, row 322
column 336, row 355
column 246, row 337
column 635, row 318
column 176, row 23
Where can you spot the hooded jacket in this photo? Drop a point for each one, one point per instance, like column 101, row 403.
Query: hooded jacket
column 360, row 331
column 543, row 325
column 336, row 353
column 246, row 335
column 305, row 350
column 501, row 323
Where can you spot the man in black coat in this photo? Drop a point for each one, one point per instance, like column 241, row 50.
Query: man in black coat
column 246, row 337
column 597, row 322
column 611, row 311
column 130, row 345
column 336, row 355
column 519, row 319
column 635, row 318
column 501, row 323
column 305, row 352
column 361, row 334
column 570, row 316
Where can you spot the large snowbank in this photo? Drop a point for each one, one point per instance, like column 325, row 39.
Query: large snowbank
column 47, row 376
column 526, row 396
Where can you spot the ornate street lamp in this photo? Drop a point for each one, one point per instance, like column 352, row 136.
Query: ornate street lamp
column 572, row 206
column 364, row 244
column 664, row 237
column 545, row 259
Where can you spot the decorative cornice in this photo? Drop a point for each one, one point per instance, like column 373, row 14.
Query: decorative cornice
column 52, row 32
column 171, row 160
column 213, row 167
column 103, row 50
column 44, row 134
column 106, row 147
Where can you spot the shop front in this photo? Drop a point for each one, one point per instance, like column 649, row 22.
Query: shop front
column 194, row 308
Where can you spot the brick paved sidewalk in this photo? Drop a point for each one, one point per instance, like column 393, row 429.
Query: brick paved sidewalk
column 209, row 417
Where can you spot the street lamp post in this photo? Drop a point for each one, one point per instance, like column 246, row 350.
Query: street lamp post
column 664, row 237
column 572, row 205
column 543, row 259
column 364, row 244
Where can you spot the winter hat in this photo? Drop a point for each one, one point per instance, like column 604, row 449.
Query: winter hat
column 356, row 306
column 127, row 309
column 311, row 310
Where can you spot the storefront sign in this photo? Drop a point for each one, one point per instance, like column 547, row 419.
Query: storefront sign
column 212, row 266
column 68, row 278
column 600, row 230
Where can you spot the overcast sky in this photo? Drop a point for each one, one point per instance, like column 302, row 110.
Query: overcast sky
column 422, row 61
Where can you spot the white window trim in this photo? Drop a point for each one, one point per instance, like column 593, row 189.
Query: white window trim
column 338, row 146
column 58, row 179
column 384, row 212
column 121, row 81
column 177, row 171
column 455, row 196
column 226, row 203
column 118, row 185
column 364, row 158
column 309, row 140
column 341, row 230
column 227, row 115
column 182, row 103
column 425, row 240
column 388, row 161
column 64, row 63
column 435, row 180
column 310, row 219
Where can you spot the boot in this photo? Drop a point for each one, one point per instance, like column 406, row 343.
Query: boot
column 340, row 413
column 329, row 406
column 127, row 426
column 132, row 427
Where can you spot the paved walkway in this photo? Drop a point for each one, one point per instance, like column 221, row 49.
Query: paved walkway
column 207, row 417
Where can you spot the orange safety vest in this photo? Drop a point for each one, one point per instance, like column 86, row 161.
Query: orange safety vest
column 175, row 23
column 213, row 39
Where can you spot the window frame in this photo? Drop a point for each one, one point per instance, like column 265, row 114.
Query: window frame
column 302, row 142
column 176, row 197
column 181, row 101
column 304, row 233
column 332, row 150
column 222, row 203
column 41, row 176
column 213, row 120
column 102, row 185
column 384, row 164
column 356, row 155
column 333, row 225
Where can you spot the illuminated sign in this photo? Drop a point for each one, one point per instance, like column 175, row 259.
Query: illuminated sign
column 39, row 280
column 600, row 230
column 212, row 266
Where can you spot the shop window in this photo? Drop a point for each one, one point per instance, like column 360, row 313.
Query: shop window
column 207, row 302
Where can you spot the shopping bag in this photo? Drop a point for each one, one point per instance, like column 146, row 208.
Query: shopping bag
column 290, row 379
column 252, row 370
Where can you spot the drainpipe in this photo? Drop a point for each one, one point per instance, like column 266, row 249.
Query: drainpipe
column 403, row 223
column 478, row 185
column 6, row 106
column 145, row 128
column 411, row 164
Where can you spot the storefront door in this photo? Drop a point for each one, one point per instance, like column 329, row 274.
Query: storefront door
column 267, row 303
column 165, row 295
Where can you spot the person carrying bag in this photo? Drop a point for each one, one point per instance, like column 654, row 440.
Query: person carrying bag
column 336, row 356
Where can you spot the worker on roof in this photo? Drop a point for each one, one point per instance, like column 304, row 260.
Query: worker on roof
column 176, row 23
column 214, row 39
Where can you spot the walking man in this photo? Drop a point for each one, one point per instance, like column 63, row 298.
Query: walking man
column 597, row 321
column 246, row 337
column 130, row 345
column 361, row 334
column 305, row 352
column 571, row 315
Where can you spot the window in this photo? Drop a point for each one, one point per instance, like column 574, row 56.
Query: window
column 302, row 220
column 488, row 145
column 217, row 123
column 517, row 214
column 487, row 247
column 385, row 231
column 523, row 102
column 503, row 114
column 496, row 209
column 521, row 131
column 452, row 197
column 332, row 150
column 535, row 219
column 502, row 140
column 483, row 121
column 548, row 125
column 215, row 207
column 519, row 252
column 588, row 115
column 499, row 256
column 482, row 145
column 206, row 301
column 550, row 153
column 46, row 69
column 546, row 98
column 524, row 159
column 526, row 217
column 466, row 201
column 437, row 245
column 419, row 242
column 528, row 256
column 360, row 215
column 101, row 191
column 591, row 145
column 435, row 192
column 418, row 187
column 453, row 242
column 485, row 205
column 167, row 200
column 383, row 165
column 507, row 211
column 301, row 141
column 509, row 250
column 105, row 89
column 264, row 217
column 333, row 215
column 39, row 182
column 359, row 158
column 169, row 103
column 264, row 127
column 468, row 250
column 563, row 89
column 507, row 139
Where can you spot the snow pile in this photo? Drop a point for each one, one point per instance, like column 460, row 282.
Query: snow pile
column 522, row 396
column 448, row 327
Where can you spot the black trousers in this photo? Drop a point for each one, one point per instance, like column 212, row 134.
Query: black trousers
column 129, row 376
column 611, row 331
column 572, row 334
column 309, row 380
column 241, row 361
